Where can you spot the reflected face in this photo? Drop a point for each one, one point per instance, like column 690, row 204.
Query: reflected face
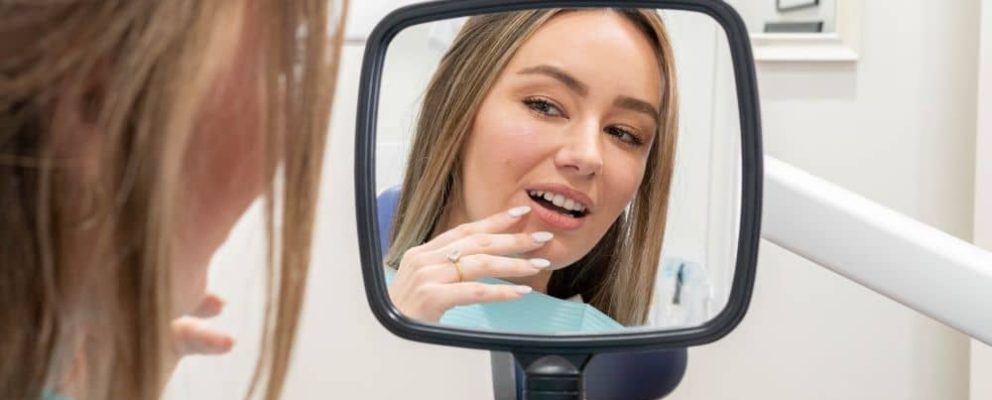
column 566, row 129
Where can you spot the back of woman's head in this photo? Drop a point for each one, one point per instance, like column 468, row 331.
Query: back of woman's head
column 101, row 107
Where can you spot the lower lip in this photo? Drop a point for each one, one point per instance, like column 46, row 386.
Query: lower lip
column 554, row 219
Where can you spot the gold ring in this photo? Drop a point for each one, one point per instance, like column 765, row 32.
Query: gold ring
column 458, row 269
column 453, row 256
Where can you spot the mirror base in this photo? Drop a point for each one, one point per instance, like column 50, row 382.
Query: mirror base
column 552, row 376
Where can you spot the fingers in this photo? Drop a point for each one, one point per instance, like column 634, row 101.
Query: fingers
column 494, row 243
column 496, row 223
column 210, row 306
column 476, row 266
column 434, row 299
column 428, row 283
column 464, row 293
column 193, row 336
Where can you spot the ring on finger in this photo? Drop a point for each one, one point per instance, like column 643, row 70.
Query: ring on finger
column 454, row 256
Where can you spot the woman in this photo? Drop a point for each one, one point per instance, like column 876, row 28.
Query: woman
column 573, row 133
column 133, row 135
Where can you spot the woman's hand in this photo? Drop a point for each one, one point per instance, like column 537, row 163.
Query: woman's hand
column 428, row 282
column 191, row 335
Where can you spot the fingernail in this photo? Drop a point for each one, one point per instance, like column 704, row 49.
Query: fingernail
column 517, row 212
column 522, row 289
column 540, row 262
column 542, row 236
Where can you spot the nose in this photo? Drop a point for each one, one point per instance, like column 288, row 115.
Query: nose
column 580, row 153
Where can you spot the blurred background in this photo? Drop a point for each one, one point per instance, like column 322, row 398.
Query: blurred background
column 905, row 123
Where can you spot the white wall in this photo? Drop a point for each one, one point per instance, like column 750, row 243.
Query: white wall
column 897, row 127
column 981, row 354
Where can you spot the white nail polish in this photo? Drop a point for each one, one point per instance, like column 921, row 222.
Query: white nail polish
column 517, row 212
column 542, row 236
column 522, row 289
column 540, row 262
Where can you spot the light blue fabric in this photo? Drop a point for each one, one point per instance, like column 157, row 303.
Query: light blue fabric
column 50, row 395
column 533, row 313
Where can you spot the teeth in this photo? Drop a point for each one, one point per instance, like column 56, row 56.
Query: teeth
column 558, row 200
column 569, row 204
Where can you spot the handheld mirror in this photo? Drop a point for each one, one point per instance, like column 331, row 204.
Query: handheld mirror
column 559, row 176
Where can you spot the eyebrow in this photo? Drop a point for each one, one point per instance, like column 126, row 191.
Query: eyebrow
column 582, row 89
column 640, row 106
column 564, row 77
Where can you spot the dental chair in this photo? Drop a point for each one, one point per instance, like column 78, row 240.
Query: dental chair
column 628, row 376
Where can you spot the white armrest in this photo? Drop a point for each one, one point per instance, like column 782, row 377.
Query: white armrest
column 908, row 261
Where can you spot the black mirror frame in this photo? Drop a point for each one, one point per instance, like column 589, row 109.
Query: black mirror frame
column 365, row 196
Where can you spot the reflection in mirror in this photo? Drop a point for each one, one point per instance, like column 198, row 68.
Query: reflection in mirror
column 788, row 16
column 559, row 171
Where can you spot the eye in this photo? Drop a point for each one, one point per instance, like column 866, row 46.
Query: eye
column 544, row 107
column 624, row 135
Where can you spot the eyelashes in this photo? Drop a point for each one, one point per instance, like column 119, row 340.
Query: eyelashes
column 544, row 107
column 548, row 109
column 624, row 135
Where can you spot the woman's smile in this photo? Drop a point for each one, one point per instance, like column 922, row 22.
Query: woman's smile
column 560, row 207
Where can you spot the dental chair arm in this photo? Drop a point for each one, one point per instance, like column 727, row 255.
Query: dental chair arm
column 915, row 264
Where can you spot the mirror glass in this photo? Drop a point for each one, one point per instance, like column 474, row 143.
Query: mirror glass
column 788, row 16
column 559, row 172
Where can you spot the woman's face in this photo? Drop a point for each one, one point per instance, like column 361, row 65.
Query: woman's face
column 222, row 172
column 566, row 129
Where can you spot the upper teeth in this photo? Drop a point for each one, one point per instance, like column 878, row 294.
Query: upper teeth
column 559, row 200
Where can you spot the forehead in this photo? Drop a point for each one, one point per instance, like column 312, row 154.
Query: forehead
column 600, row 48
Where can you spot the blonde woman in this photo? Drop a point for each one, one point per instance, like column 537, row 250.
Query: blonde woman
column 543, row 155
column 133, row 134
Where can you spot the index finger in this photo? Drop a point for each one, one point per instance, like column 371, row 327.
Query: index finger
column 496, row 223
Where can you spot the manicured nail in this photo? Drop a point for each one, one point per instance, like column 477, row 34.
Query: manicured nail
column 542, row 236
column 517, row 212
column 540, row 262
column 522, row 289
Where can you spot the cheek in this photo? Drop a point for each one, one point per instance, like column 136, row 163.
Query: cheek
column 507, row 135
column 502, row 150
column 225, row 159
column 622, row 180
column 222, row 173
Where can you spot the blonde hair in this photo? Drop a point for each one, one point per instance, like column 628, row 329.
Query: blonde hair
column 133, row 73
column 617, row 276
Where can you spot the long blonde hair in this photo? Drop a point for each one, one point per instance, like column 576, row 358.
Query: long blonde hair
column 135, row 72
column 617, row 276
